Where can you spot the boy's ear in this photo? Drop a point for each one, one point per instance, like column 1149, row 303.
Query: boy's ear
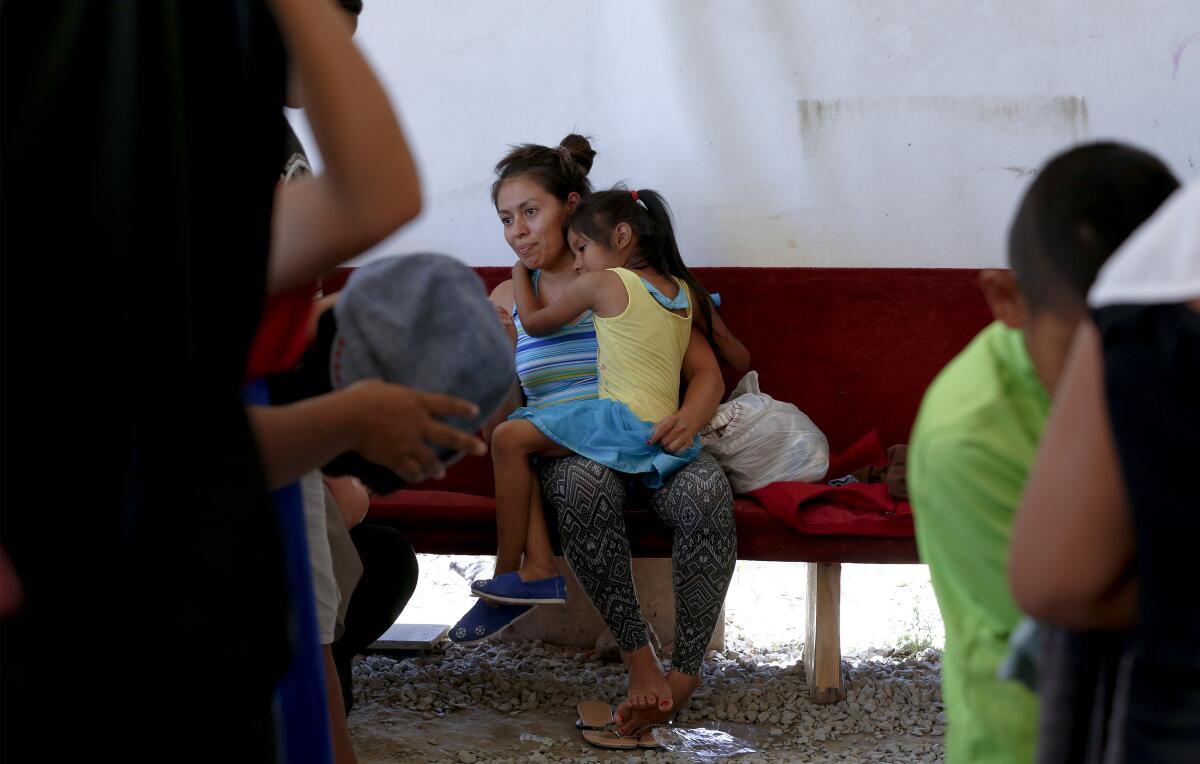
column 622, row 237
column 1000, row 290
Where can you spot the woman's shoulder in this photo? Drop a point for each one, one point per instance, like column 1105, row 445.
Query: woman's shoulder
column 503, row 295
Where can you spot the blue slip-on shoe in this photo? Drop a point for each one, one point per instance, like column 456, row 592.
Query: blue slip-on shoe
column 511, row 590
column 484, row 620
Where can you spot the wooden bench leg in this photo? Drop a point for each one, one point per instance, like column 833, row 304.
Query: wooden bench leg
column 823, row 636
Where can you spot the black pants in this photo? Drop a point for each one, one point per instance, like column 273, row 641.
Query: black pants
column 696, row 503
column 388, row 580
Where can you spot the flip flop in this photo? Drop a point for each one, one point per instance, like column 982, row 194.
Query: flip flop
column 607, row 739
column 611, row 739
column 594, row 715
column 599, row 729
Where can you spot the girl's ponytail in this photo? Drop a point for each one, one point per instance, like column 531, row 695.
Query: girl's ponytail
column 647, row 213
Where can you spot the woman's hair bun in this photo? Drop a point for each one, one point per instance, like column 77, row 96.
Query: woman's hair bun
column 580, row 149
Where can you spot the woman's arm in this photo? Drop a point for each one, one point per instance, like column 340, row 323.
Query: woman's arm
column 705, row 387
column 369, row 186
column 502, row 295
column 515, row 399
column 729, row 347
column 502, row 299
column 1072, row 551
column 579, row 296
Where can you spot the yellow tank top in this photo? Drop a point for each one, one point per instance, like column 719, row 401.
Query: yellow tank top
column 641, row 351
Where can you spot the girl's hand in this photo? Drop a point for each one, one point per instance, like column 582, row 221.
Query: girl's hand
column 676, row 433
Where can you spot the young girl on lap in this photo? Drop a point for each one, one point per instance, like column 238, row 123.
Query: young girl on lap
column 643, row 299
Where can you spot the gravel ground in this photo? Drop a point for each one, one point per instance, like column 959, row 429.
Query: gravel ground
column 892, row 710
column 497, row 702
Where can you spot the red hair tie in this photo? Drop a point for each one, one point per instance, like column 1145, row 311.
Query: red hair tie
column 634, row 195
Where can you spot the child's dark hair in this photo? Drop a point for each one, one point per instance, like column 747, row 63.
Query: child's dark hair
column 647, row 214
column 1083, row 204
column 559, row 171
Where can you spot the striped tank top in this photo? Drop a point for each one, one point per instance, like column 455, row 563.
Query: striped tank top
column 560, row 367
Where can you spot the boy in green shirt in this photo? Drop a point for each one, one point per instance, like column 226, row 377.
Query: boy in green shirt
column 977, row 432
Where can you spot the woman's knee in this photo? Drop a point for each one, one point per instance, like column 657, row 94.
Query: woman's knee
column 583, row 497
column 700, row 487
column 585, row 481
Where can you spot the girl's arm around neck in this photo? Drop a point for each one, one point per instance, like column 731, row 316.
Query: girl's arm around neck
column 579, row 296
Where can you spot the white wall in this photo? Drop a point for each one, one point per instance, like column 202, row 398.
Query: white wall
column 810, row 132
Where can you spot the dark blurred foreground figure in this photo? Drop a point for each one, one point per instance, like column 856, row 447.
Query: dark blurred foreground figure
column 981, row 420
column 1106, row 534
column 140, row 146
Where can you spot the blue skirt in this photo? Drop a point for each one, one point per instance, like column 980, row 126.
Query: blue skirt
column 609, row 433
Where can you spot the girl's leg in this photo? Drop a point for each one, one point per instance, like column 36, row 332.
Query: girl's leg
column 698, row 504
column 513, row 443
column 588, row 499
column 539, row 554
column 517, row 501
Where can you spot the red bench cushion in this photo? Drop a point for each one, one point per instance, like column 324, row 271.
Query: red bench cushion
column 444, row 522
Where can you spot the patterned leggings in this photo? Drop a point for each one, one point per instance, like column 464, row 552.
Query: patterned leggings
column 696, row 502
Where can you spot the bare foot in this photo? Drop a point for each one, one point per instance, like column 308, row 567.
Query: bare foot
column 648, row 687
column 631, row 720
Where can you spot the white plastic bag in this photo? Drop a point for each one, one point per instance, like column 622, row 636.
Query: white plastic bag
column 759, row 440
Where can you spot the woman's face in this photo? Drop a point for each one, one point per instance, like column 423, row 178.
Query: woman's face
column 533, row 220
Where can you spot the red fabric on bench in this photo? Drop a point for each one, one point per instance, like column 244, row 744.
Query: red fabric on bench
column 867, row 452
column 858, row 509
column 854, row 348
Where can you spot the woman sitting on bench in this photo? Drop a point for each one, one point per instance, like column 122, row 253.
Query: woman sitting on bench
column 536, row 188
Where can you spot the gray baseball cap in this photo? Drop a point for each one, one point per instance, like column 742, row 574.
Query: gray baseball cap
column 423, row 321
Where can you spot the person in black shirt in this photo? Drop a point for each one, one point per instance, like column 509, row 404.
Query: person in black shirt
column 139, row 150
